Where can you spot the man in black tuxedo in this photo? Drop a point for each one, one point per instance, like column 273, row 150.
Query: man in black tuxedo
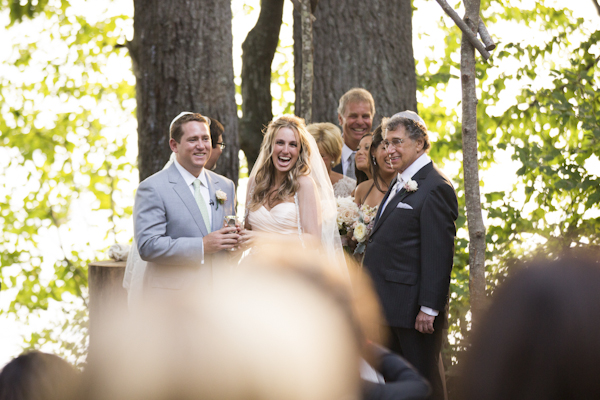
column 411, row 248
column 355, row 115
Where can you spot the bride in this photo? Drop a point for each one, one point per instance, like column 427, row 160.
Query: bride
column 289, row 191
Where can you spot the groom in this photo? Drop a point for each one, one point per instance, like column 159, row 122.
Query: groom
column 178, row 214
column 411, row 248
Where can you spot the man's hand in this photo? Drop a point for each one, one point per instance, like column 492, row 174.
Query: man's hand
column 223, row 239
column 424, row 322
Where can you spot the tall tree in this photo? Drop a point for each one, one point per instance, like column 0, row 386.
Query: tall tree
column 370, row 48
column 182, row 58
column 258, row 52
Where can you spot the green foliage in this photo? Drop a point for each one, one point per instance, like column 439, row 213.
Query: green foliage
column 538, row 103
column 27, row 9
column 65, row 162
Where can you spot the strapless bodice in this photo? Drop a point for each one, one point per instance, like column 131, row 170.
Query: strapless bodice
column 281, row 219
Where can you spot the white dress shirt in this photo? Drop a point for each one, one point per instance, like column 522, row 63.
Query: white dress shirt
column 346, row 153
column 189, row 180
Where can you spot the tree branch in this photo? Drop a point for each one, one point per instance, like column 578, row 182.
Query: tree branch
column 597, row 6
column 485, row 36
column 467, row 32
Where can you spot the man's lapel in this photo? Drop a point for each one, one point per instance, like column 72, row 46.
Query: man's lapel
column 215, row 208
column 401, row 195
column 398, row 197
column 184, row 193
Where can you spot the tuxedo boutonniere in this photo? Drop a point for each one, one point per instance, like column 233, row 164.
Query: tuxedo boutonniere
column 221, row 197
column 411, row 186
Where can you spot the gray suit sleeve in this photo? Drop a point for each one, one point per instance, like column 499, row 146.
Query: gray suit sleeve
column 150, row 227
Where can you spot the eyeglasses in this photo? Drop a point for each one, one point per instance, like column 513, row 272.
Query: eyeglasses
column 396, row 142
column 221, row 144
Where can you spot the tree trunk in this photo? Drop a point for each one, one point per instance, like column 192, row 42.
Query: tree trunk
column 307, row 61
column 470, row 166
column 358, row 46
column 258, row 51
column 182, row 57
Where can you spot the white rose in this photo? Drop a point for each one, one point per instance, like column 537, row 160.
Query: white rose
column 221, row 195
column 347, row 211
column 411, row 186
column 360, row 232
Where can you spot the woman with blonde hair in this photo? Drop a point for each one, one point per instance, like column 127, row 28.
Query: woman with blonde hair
column 289, row 191
column 329, row 140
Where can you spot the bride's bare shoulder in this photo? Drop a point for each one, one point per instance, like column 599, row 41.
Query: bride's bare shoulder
column 306, row 181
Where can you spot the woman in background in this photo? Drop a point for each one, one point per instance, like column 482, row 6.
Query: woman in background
column 362, row 169
column 372, row 191
column 329, row 140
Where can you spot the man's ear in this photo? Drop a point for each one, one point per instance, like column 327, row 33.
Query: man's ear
column 340, row 120
column 173, row 145
column 420, row 144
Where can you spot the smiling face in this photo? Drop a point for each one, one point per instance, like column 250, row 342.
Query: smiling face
column 194, row 148
column 356, row 121
column 362, row 153
column 286, row 149
column 383, row 160
column 407, row 152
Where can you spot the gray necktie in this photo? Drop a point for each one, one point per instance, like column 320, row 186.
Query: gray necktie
column 350, row 171
column 201, row 204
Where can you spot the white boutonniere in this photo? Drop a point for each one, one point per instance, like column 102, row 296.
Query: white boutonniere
column 221, row 197
column 411, row 186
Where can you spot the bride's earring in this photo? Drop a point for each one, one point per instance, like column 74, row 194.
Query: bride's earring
column 332, row 163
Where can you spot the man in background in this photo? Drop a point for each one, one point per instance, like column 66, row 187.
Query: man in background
column 355, row 115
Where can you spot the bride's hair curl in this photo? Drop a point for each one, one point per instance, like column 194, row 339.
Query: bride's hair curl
column 264, row 178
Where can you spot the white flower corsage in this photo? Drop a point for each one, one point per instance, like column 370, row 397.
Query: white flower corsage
column 411, row 186
column 221, row 197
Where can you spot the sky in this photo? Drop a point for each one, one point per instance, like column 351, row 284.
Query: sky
column 426, row 42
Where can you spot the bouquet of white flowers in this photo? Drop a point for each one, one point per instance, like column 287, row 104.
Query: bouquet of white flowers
column 347, row 215
column 363, row 226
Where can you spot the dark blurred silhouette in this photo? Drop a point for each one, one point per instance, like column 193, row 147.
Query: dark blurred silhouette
column 540, row 338
column 38, row 376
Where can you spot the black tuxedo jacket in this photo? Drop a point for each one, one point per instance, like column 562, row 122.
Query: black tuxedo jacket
column 339, row 169
column 410, row 251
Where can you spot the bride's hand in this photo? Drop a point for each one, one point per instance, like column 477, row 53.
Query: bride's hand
column 246, row 239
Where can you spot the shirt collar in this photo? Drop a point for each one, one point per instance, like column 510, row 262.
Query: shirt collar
column 188, row 177
column 413, row 168
column 346, row 151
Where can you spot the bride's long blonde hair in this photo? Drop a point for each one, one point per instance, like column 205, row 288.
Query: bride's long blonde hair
column 264, row 177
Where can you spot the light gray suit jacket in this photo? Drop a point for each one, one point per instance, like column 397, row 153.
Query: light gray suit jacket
column 169, row 228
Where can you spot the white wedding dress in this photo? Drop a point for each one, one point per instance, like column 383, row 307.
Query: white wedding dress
column 281, row 219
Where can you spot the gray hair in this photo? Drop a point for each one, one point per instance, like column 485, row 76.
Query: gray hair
column 415, row 130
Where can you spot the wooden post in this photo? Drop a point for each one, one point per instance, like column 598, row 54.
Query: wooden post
column 108, row 298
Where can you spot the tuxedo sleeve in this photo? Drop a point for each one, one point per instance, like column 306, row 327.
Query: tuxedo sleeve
column 438, row 231
column 150, row 228
column 402, row 381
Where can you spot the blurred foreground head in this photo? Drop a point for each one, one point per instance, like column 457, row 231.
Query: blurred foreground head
column 262, row 333
column 38, row 376
column 540, row 338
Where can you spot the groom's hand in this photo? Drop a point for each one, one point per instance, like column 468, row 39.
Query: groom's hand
column 424, row 322
column 223, row 239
